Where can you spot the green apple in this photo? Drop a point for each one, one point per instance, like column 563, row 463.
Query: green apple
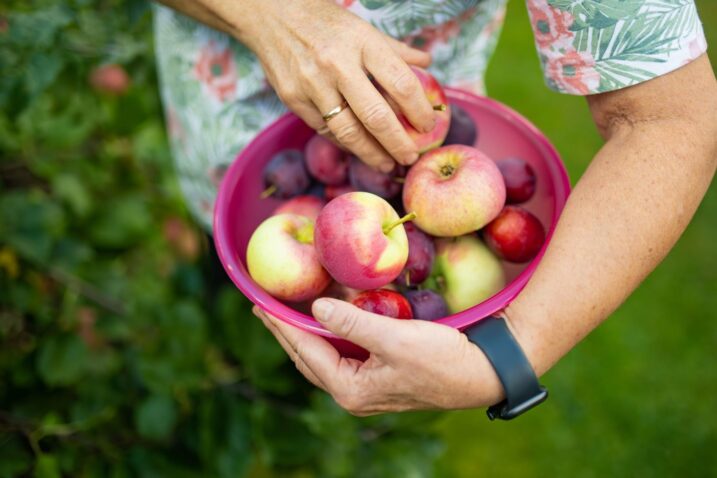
column 466, row 272
column 281, row 258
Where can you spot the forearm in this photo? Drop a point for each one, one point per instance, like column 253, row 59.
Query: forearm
column 236, row 18
column 623, row 217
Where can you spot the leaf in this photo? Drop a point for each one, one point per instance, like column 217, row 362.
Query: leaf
column 30, row 223
column 121, row 221
column 41, row 71
column 70, row 189
column 156, row 417
column 37, row 29
column 62, row 360
column 47, row 466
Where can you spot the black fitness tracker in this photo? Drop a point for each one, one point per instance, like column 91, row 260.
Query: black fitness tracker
column 522, row 390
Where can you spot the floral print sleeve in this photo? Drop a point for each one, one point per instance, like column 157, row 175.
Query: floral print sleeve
column 594, row 46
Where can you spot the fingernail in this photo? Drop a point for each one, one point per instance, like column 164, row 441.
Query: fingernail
column 412, row 158
column 322, row 310
column 430, row 126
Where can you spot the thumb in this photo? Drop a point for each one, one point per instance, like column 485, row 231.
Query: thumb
column 410, row 55
column 370, row 331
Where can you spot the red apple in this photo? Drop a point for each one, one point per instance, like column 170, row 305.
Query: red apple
column 519, row 179
column 437, row 98
column 305, row 205
column 112, row 79
column 282, row 259
column 515, row 235
column 325, row 161
column 361, row 241
column 453, row 190
column 384, row 302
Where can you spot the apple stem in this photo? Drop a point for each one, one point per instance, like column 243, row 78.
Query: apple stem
column 399, row 180
column 408, row 217
column 268, row 192
column 441, row 107
column 408, row 279
column 305, row 234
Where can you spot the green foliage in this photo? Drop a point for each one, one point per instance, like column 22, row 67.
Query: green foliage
column 123, row 350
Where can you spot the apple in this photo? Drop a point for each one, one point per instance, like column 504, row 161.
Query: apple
column 515, row 235
column 282, row 259
column 305, row 205
column 325, row 161
column 384, row 302
column 361, row 241
column 453, row 190
column 437, row 98
column 466, row 272
column 112, row 79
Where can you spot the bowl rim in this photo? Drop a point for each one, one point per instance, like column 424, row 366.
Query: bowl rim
column 460, row 320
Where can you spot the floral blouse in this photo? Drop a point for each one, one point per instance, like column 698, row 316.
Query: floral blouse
column 216, row 98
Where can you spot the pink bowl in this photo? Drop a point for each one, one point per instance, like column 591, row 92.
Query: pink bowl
column 502, row 133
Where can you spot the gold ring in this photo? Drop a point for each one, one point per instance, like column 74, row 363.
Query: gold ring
column 328, row 116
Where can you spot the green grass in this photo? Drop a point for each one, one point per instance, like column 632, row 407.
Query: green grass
column 636, row 398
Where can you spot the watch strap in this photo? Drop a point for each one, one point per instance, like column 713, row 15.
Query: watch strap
column 522, row 390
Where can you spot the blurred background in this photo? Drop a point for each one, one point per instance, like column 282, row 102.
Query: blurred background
column 123, row 352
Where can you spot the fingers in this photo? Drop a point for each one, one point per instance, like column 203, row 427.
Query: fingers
column 399, row 81
column 352, row 134
column 377, row 116
column 410, row 55
column 293, row 355
column 376, row 333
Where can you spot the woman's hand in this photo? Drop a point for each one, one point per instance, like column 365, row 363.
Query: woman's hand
column 316, row 54
column 414, row 364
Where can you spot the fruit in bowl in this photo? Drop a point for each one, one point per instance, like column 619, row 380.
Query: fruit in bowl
column 420, row 257
column 437, row 98
column 364, row 178
column 361, row 241
column 426, row 304
column 384, row 302
column 281, row 258
column 285, row 175
column 515, row 235
column 453, row 190
column 466, row 272
column 325, row 161
column 463, row 129
column 304, row 205
column 519, row 179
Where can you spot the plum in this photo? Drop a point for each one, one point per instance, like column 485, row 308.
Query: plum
column 364, row 178
column 331, row 192
column 519, row 179
column 384, row 302
column 463, row 129
column 515, row 235
column 426, row 304
column 421, row 253
column 285, row 174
